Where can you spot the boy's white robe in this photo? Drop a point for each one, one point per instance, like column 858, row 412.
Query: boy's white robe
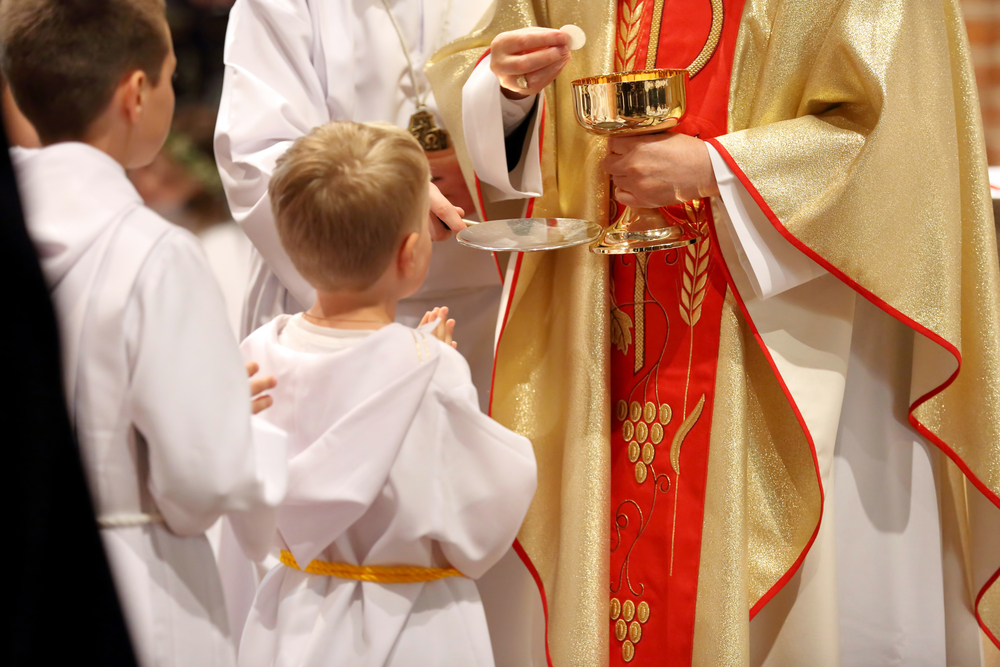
column 391, row 463
column 158, row 395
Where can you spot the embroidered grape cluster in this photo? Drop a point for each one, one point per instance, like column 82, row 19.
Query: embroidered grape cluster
column 643, row 431
column 629, row 619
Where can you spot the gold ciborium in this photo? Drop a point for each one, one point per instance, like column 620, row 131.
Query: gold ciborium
column 631, row 103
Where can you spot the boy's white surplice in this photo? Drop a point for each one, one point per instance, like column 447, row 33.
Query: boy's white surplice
column 158, row 396
column 391, row 462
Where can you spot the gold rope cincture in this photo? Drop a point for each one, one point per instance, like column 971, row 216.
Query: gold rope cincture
column 422, row 126
column 707, row 51
column 380, row 574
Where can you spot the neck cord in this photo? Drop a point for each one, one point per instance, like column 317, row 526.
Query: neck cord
column 421, row 100
column 317, row 320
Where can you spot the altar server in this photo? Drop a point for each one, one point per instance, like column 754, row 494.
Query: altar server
column 292, row 65
column 401, row 491
column 156, row 389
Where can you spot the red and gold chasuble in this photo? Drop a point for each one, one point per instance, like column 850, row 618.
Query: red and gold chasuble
column 666, row 316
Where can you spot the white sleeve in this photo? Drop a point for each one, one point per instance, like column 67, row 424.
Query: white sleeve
column 487, row 481
column 255, row 529
column 486, row 117
column 189, row 398
column 772, row 264
column 272, row 95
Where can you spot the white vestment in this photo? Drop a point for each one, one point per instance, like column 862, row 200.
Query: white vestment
column 880, row 585
column 292, row 65
column 391, row 463
column 158, row 396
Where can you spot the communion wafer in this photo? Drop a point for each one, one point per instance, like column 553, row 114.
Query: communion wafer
column 577, row 38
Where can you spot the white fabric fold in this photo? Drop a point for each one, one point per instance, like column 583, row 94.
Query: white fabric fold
column 485, row 115
column 773, row 265
column 334, row 480
column 254, row 531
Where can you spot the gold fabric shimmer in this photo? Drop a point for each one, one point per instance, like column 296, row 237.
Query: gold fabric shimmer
column 762, row 501
column 551, row 382
column 858, row 123
column 867, row 145
column 721, row 630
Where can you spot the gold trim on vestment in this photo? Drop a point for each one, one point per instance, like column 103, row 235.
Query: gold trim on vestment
column 712, row 43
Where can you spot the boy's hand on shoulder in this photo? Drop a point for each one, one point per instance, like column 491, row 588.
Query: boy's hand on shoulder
column 258, row 386
column 445, row 328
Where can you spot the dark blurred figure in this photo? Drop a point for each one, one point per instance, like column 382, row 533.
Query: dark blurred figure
column 61, row 602
column 199, row 31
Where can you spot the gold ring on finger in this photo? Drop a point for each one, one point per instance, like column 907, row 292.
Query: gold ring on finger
column 522, row 82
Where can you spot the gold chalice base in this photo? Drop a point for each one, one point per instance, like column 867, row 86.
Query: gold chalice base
column 642, row 230
column 632, row 103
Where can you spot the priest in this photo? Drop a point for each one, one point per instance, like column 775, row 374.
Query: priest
column 789, row 428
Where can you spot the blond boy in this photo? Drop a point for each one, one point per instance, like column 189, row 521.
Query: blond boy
column 401, row 492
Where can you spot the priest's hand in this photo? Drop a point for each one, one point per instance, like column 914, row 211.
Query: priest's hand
column 536, row 54
column 258, row 386
column 444, row 217
column 446, row 174
column 445, row 328
column 656, row 170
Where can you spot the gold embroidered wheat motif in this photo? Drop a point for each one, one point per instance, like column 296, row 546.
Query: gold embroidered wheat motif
column 694, row 280
column 627, row 40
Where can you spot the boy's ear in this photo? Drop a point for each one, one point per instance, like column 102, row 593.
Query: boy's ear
column 132, row 92
column 408, row 255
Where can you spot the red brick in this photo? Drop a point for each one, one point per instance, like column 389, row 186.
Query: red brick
column 983, row 31
column 982, row 20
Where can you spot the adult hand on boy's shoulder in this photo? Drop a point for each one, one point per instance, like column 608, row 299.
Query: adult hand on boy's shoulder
column 445, row 217
column 445, row 328
column 258, row 386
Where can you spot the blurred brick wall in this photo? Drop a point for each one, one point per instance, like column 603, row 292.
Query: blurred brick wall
column 982, row 17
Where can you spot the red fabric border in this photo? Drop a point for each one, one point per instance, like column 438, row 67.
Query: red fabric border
column 979, row 619
column 482, row 208
column 889, row 310
column 755, row 609
column 541, row 589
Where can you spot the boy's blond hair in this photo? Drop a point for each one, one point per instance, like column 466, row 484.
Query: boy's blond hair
column 343, row 198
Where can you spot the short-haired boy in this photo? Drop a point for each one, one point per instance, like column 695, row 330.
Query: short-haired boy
column 155, row 384
column 401, row 491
